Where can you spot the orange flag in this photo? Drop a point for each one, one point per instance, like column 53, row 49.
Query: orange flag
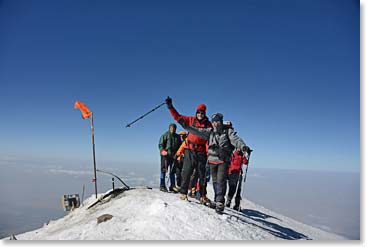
column 86, row 113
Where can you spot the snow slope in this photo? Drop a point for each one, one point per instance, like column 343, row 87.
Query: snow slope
column 142, row 214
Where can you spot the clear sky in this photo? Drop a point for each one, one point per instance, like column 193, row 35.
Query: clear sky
column 286, row 73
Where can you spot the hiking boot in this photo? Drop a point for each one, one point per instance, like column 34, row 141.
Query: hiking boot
column 191, row 194
column 204, row 200
column 163, row 188
column 228, row 203
column 236, row 207
column 184, row 197
column 193, row 191
column 219, row 207
column 173, row 189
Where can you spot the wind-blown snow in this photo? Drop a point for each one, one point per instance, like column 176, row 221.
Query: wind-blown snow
column 143, row 214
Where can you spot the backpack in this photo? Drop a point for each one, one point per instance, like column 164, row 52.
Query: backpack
column 225, row 153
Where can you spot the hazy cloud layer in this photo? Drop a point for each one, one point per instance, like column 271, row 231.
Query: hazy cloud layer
column 325, row 200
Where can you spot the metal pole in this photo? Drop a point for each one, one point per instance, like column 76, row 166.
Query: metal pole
column 244, row 180
column 94, row 156
column 110, row 173
column 248, row 162
column 83, row 194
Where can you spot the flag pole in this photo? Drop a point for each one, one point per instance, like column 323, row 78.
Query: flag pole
column 94, row 156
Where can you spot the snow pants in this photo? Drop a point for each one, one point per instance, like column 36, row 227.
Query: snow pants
column 179, row 166
column 219, row 173
column 193, row 179
column 193, row 160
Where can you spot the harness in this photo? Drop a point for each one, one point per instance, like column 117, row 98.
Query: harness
column 195, row 146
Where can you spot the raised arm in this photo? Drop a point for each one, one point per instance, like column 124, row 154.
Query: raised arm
column 201, row 132
column 236, row 140
column 176, row 116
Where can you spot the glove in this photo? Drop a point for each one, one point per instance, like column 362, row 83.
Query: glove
column 247, row 150
column 239, row 151
column 164, row 152
column 169, row 102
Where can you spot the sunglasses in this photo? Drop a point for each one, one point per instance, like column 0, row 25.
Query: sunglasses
column 200, row 112
column 216, row 119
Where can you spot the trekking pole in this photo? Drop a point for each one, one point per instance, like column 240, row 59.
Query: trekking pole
column 248, row 162
column 129, row 124
column 244, row 180
column 239, row 184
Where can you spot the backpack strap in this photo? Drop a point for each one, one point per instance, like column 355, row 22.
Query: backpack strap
column 206, row 123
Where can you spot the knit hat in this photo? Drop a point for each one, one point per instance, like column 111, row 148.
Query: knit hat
column 182, row 132
column 172, row 124
column 217, row 117
column 201, row 107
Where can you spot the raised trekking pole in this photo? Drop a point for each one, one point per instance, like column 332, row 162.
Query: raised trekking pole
column 129, row 124
column 86, row 113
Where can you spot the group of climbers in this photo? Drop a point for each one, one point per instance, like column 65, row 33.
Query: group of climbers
column 210, row 149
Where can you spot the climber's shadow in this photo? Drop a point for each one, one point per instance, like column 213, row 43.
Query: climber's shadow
column 270, row 227
column 257, row 214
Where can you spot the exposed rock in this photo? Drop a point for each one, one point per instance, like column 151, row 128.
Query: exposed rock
column 104, row 218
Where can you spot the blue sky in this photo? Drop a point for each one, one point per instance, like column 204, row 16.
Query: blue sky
column 286, row 73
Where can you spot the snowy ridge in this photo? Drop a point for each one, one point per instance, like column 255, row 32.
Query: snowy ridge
column 142, row 214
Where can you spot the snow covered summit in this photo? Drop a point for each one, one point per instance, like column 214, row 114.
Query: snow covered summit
column 143, row 214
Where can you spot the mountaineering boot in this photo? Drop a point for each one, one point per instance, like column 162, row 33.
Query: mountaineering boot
column 173, row 189
column 204, row 200
column 237, row 203
column 163, row 182
column 228, row 203
column 189, row 193
column 236, row 207
column 163, row 188
column 219, row 207
column 184, row 197
column 192, row 192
